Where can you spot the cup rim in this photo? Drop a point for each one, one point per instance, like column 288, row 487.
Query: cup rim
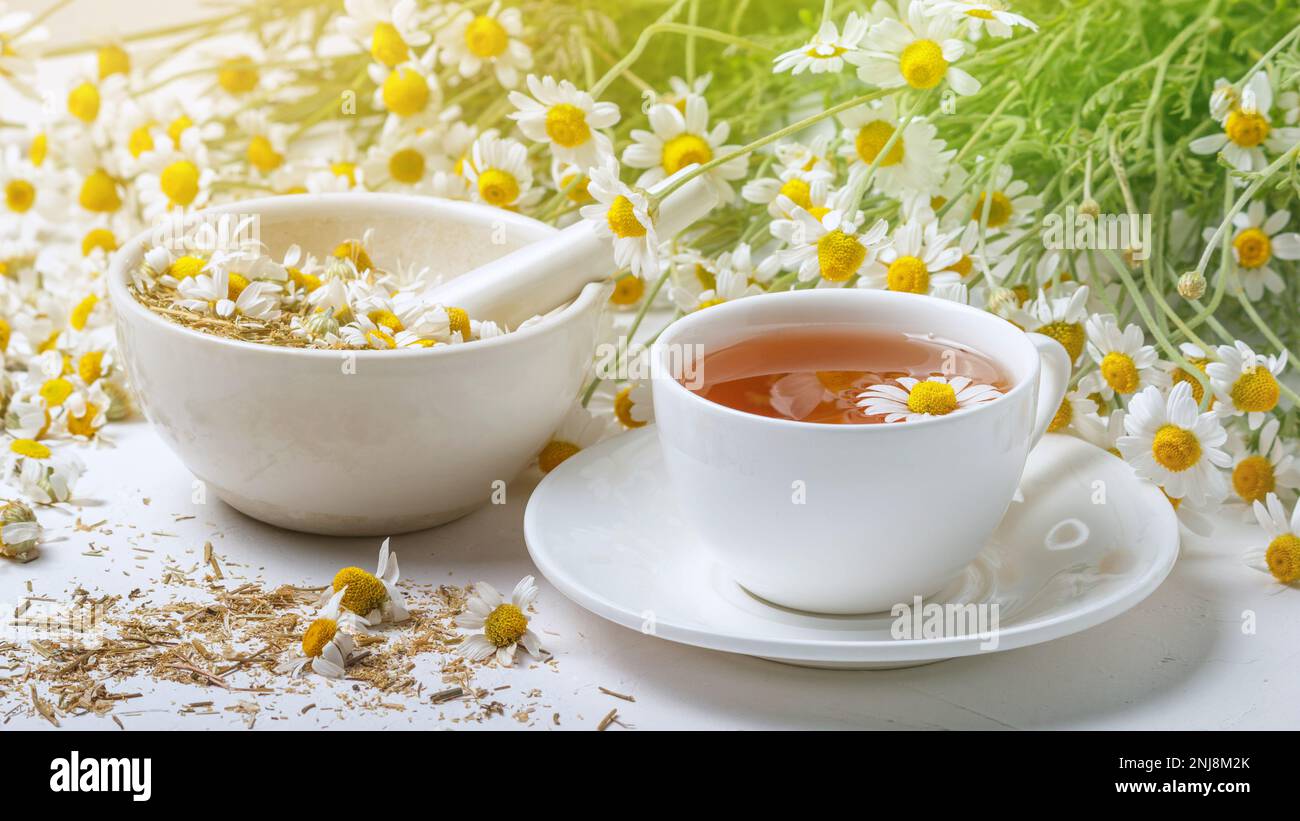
column 713, row 313
column 125, row 303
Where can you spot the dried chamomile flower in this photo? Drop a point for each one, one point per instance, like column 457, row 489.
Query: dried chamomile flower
column 375, row 598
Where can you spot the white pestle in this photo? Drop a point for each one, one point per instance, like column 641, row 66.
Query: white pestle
column 549, row 273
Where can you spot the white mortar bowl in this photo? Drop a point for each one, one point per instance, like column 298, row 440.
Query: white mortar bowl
column 413, row 438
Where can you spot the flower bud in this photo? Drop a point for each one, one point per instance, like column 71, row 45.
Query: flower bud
column 1090, row 208
column 321, row 324
column 1191, row 285
column 20, row 533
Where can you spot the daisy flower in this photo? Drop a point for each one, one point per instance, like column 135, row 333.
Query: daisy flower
column 580, row 429
column 979, row 16
column 176, row 177
column 679, row 90
column 43, row 475
column 824, row 53
column 1282, row 556
column 917, row 261
column 622, row 214
column 1246, row 127
column 916, row 162
column 1170, row 443
column 633, row 406
column 1125, row 365
column 20, row 532
column 1254, row 245
column 408, row 90
column 912, row 399
column 499, row 174
column 677, row 139
column 267, row 141
column 326, row 642
column 32, row 198
column 918, row 53
column 1061, row 318
column 504, row 624
column 1270, row 467
column 403, row 158
column 1007, row 203
column 728, row 284
column 1245, row 382
column 472, row 41
column 813, row 156
column 227, row 294
column 829, row 249
column 792, row 185
column 390, row 29
column 374, row 598
column 565, row 118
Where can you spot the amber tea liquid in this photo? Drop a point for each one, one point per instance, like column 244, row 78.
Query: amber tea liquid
column 815, row 374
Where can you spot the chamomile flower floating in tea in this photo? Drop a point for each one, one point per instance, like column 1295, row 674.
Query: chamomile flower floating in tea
column 1174, row 445
column 1245, row 382
column 327, row 641
column 913, row 399
column 20, row 532
column 503, row 625
column 43, row 474
column 1281, row 557
column 374, row 598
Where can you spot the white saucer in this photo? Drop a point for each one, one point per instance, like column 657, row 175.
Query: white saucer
column 1090, row 541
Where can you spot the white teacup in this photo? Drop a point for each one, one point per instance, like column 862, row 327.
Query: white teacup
column 851, row 518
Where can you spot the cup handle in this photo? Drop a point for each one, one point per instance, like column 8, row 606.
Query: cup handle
column 1053, row 381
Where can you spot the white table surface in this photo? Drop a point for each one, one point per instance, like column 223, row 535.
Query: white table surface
column 1178, row 660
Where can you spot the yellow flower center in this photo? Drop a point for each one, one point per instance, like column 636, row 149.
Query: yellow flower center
column 1256, row 392
column 405, row 92
column 5, row 333
column 505, row 625
column 963, row 266
column 387, row 45
column 19, row 195
column 458, row 322
column 707, row 279
column 1119, row 372
column 622, row 218
column 406, row 166
column 262, row 155
column 235, row 285
column 1070, row 334
column 320, row 633
column 908, row 274
column 237, row 75
column 178, row 127
column 99, row 193
column 623, row 406
column 839, row 255
column 353, row 249
column 797, row 191
column 567, row 125
column 39, row 148
column 90, row 366
column 346, row 170
column 486, row 38
column 999, row 209
column 308, row 282
column 1063, row 416
column 555, row 452
column 83, row 102
column 1180, row 375
column 819, row 211
column 871, row 141
column 100, row 238
column 1175, row 448
column 1283, row 557
column 30, row 448
column 385, row 318
column 112, row 59
column 980, row 14
column 56, row 391
column 84, row 425
column 922, row 64
column 180, row 182
column 1246, row 128
column 683, row 150
column 81, row 313
column 498, row 187
column 1254, row 248
column 576, row 188
column 186, row 266
column 1253, row 478
column 365, row 592
column 140, row 140
column 932, row 398
column 627, row 290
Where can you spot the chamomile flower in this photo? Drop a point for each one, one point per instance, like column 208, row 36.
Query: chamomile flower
column 978, row 16
column 403, row 158
column 677, row 139
column 916, row 162
column 579, row 430
column 500, row 174
column 375, row 598
column 20, row 532
column 228, row 294
column 565, row 118
column 1006, row 202
column 32, row 197
column 1169, row 442
column 1257, row 241
column 912, row 399
column 503, row 625
column 1124, row 364
column 824, row 53
column 792, row 185
column 473, row 41
column 176, row 178
column 1060, row 317
column 44, row 475
column 633, row 406
column 1270, row 467
column 622, row 214
column 408, row 90
column 267, row 142
column 728, row 284
column 917, row 261
column 327, row 641
column 679, row 90
column 390, row 30
column 830, row 249
column 1281, row 558
column 1247, row 131
column 918, row 52
column 1245, row 382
